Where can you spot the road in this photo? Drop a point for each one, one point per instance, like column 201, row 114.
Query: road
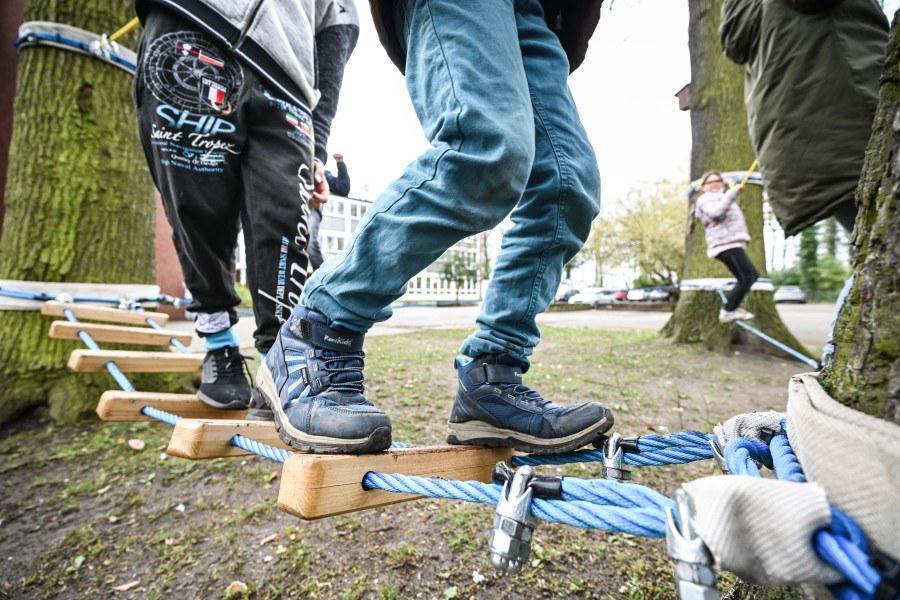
column 808, row 322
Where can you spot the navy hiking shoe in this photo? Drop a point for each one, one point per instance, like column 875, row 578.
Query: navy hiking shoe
column 493, row 408
column 312, row 380
column 223, row 383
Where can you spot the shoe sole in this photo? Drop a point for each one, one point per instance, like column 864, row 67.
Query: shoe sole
column 233, row 405
column 259, row 414
column 479, row 433
column 378, row 441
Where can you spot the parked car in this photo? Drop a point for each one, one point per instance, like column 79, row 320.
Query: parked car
column 621, row 294
column 658, row 295
column 637, row 295
column 594, row 297
column 564, row 295
column 790, row 293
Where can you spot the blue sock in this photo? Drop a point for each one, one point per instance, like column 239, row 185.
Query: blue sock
column 262, row 356
column 220, row 340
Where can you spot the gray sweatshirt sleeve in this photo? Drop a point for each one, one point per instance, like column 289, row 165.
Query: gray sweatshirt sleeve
column 335, row 41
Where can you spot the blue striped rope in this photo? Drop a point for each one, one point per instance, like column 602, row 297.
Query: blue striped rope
column 843, row 544
column 648, row 522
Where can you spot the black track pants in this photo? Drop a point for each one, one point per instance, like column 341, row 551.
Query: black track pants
column 224, row 153
column 740, row 266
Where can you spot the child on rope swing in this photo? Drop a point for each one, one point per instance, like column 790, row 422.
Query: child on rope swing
column 225, row 92
column 726, row 239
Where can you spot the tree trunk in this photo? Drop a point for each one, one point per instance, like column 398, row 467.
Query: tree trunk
column 79, row 202
column 720, row 141
column 865, row 370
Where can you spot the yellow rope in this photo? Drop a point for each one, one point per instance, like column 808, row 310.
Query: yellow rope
column 750, row 172
column 125, row 29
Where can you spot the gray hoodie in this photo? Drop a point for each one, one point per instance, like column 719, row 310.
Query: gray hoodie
column 276, row 38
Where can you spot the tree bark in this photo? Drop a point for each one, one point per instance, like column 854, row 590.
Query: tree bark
column 79, row 202
column 720, row 141
column 865, row 370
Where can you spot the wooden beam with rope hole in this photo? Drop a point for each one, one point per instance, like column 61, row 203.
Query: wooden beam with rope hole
column 117, row 405
column 118, row 334
column 53, row 308
column 94, row 361
column 316, row 486
column 199, row 439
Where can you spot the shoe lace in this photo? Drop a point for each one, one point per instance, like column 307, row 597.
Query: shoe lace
column 523, row 392
column 230, row 363
column 345, row 370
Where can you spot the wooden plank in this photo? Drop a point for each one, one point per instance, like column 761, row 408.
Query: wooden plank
column 198, row 439
column 316, row 486
column 103, row 313
column 67, row 330
column 116, row 405
column 94, row 361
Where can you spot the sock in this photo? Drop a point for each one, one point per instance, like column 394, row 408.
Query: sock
column 262, row 356
column 222, row 339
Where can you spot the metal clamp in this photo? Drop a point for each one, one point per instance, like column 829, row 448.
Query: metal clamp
column 514, row 524
column 717, row 444
column 695, row 578
column 614, row 466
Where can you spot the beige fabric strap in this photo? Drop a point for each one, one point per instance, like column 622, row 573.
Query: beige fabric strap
column 854, row 456
column 761, row 529
column 749, row 425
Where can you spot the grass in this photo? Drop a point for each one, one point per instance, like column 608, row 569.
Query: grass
column 188, row 529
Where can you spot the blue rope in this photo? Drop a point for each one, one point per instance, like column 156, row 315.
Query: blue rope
column 653, row 450
column 116, row 373
column 264, row 450
column 843, row 544
column 178, row 345
column 648, row 522
column 696, row 439
column 161, row 415
column 59, row 39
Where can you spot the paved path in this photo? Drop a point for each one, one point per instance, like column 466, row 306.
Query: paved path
column 808, row 322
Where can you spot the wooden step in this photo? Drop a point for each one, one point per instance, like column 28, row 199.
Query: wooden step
column 201, row 438
column 116, row 405
column 94, row 361
column 316, row 486
column 91, row 312
column 67, row 330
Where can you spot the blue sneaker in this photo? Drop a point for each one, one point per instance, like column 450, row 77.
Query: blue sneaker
column 493, row 408
column 312, row 380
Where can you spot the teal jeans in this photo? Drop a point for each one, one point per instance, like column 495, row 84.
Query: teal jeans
column 488, row 81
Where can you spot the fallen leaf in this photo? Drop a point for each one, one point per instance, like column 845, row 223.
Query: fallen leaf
column 127, row 586
column 235, row 588
column 266, row 540
column 180, row 508
column 273, row 476
column 136, row 444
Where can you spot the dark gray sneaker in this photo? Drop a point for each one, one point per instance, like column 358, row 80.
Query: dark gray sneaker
column 312, row 379
column 224, row 384
column 259, row 409
column 493, row 408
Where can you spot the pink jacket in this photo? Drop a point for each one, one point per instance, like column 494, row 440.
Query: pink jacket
column 724, row 221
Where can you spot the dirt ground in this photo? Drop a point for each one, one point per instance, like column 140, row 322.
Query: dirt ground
column 99, row 510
